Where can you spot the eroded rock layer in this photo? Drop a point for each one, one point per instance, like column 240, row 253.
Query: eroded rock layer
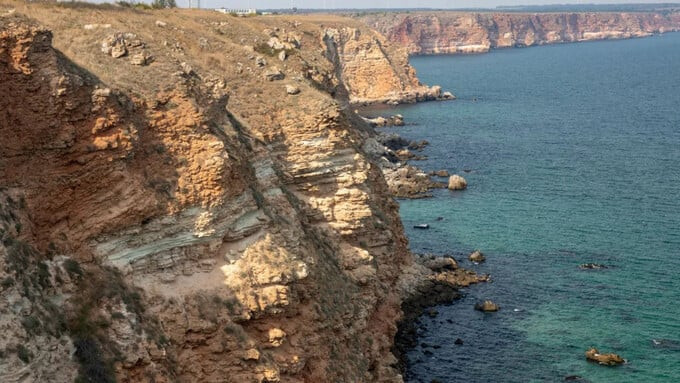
column 460, row 32
column 171, row 212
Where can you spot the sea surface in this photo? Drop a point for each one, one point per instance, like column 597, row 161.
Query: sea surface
column 572, row 155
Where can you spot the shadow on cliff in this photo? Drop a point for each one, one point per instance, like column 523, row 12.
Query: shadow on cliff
column 82, row 153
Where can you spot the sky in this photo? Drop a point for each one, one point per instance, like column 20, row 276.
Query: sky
column 260, row 4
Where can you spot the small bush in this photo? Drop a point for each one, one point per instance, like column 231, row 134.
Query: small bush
column 43, row 275
column 7, row 282
column 93, row 369
column 24, row 354
column 73, row 268
column 31, row 325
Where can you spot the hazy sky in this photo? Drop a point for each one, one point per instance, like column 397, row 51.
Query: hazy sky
column 391, row 3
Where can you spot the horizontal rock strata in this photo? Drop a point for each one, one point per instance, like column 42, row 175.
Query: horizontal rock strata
column 465, row 32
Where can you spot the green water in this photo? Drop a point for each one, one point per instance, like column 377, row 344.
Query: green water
column 574, row 157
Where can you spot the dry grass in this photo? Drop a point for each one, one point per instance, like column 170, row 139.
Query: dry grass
column 212, row 43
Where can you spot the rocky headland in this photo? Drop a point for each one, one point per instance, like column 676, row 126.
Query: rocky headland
column 468, row 32
column 188, row 196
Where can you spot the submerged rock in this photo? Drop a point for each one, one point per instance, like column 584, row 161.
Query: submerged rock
column 440, row 173
column 592, row 266
column 574, row 378
column 438, row 264
column 609, row 359
column 668, row 344
column 457, row 182
column 487, row 306
column 477, row 257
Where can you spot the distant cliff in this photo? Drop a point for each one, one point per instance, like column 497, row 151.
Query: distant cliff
column 457, row 32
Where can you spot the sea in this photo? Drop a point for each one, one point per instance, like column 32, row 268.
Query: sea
column 572, row 156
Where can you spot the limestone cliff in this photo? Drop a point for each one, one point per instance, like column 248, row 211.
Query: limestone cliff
column 461, row 32
column 372, row 71
column 172, row 212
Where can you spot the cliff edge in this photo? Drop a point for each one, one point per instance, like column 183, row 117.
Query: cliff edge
column 184, row 197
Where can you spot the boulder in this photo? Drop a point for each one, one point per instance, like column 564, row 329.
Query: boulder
column 292, row 89
column 448, row 96
column 260, row 61
column 282, row 55
column 251, row 354
column 440, row 173
column 275, row 43
column 458, row 341
column 418, row 145
column 438, row 264
column 393, row 141
column 477, row 257
column 457, row 182
column 274, row 74
column 276, row 336
column 487, row 306
column 161, row 24
column 141, row 59
column 115, row 45
column 610, row 359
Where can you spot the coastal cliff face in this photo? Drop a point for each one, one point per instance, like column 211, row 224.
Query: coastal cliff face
column 185, row 197
column 456, row 32
column 373, row 71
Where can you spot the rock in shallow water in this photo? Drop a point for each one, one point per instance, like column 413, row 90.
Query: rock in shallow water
column 609, row 359
column 457, row 182
column 487, row 306
column 592, row 266
column 477, row 257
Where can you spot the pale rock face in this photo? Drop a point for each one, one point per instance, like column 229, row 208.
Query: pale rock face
column 369, row 71
column 457, row 182
column 446, row 33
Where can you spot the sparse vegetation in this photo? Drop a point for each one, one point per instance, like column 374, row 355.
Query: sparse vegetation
column 161, row 4
column 24, row 354
column 7, row 282
column 73, row 268
column 31, row 324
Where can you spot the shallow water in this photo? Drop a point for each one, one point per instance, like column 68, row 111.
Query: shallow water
column 574, row 157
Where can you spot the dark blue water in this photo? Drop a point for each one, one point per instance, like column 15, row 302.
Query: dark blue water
column 574, row 152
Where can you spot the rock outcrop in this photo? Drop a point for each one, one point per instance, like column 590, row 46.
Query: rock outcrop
column 608, row 359
column 477, row 257
column 372, row 70
column 457, row 182
column 188, row 220
column 463, row 32
column 487, row 306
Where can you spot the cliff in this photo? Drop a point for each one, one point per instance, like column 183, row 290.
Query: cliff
column 185, row 197
column 459, row 32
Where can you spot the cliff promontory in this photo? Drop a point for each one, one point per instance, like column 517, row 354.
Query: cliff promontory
column 186, row 196
column 464, row 32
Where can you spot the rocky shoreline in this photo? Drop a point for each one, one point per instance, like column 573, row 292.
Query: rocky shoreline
column 440, row 288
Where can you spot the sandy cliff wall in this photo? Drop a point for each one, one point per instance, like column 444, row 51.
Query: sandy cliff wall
column 455, row 32
column 181, row 201
column 372, row 70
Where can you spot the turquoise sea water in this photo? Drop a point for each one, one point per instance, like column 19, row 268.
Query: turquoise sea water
column 574, row 152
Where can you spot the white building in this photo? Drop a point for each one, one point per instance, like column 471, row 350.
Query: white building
column 239, row 12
